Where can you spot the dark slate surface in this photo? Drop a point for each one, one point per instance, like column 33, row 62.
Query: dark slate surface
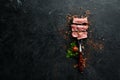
column 31, row 48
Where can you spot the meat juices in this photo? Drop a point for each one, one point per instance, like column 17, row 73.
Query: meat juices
column 79, row 31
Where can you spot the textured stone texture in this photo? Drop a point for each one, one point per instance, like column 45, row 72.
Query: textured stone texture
column 31, row 48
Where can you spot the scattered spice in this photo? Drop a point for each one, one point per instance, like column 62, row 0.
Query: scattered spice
column 64, row 33
column 75, row 66
column 87, row 12
column 95, row 45
column 72, row 51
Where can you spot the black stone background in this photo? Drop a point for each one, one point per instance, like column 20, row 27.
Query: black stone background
column 30, row 44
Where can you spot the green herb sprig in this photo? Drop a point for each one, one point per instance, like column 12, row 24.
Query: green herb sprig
column 70, row 52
